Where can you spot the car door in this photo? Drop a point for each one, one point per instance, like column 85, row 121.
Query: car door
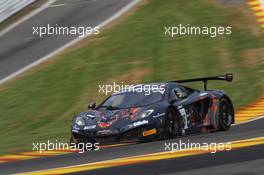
column 180, row 98
column 192, row 106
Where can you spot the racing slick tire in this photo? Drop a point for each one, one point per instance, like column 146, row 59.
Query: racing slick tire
column 171, row 126
column 226, row 114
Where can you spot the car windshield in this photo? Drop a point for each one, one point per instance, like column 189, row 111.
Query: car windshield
column 131, row 99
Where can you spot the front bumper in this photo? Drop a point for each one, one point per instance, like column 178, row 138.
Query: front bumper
column 143, row 133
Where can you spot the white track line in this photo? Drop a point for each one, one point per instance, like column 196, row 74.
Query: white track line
column 57, row 5
column 44, row 6
column 104, row 23
column 77, row 3
column 254, row 119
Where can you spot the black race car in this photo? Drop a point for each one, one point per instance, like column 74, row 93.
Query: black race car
column 167, row 110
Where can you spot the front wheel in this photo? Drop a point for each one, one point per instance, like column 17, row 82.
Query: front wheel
column 226, row 114
column 171, row 126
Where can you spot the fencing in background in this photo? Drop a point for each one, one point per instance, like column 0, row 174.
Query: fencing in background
column 10, row 7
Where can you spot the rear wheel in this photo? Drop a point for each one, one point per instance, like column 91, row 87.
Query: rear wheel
column 171, row 125
column 226, row 114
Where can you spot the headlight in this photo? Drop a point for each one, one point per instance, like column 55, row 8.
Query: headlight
column 146, row 113
column 79, row 121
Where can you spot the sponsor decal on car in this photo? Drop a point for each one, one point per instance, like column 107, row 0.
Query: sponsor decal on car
column 184, row 115
column 107, row 132
column 139, row 123
column 74, row 130
column 149, row 132
column 89, row 127
column 75, row 127
column 158, row 115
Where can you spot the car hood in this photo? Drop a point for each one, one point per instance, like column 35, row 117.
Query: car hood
column 110, row 118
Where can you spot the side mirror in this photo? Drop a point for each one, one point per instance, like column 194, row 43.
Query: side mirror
column 92, row 105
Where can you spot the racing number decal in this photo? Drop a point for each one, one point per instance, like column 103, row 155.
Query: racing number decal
column 184, row 116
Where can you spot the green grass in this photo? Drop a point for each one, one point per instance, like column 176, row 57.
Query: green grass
column 40, row 105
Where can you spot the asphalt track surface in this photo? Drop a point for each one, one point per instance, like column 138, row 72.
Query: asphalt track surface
column 241, row 158
column 248, row 160
column 19, row 47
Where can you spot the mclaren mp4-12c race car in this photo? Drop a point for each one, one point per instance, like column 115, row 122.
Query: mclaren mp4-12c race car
column 171, row 110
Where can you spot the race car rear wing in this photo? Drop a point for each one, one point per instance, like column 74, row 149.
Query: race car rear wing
column 227, row 77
